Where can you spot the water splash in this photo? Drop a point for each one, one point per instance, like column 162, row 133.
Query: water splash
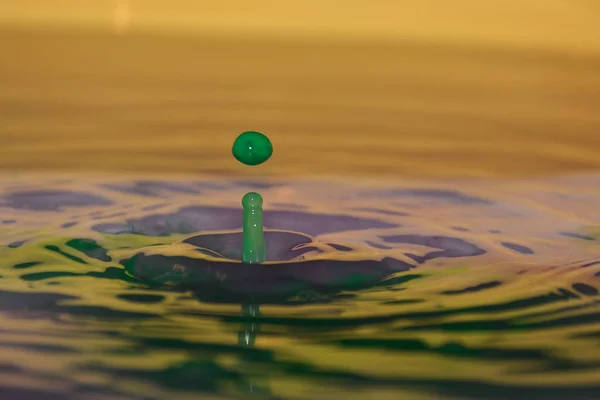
column 378, row 289
column 254, row 248
column 252, row 148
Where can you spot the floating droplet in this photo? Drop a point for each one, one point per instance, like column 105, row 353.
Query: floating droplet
column 252, row 148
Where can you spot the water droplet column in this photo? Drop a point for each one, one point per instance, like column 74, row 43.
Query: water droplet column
column 254, row 247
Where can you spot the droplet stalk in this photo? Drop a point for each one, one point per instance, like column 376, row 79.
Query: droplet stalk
column 254, row 250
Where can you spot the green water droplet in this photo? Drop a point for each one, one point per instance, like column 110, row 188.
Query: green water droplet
column 252, row 148
column 254, row 248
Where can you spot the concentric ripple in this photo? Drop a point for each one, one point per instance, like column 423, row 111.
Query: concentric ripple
column 296, row 264
column 487, row 290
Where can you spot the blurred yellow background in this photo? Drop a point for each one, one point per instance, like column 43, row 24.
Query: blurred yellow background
column 561, row 24
column 388, row 88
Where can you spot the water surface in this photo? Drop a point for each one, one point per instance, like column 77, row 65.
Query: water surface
column 475, row 262
column 497, row 297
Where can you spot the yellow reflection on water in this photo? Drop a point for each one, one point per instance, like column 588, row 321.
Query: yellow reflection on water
column 395, row 88
column 155, row 104
column 407, row 90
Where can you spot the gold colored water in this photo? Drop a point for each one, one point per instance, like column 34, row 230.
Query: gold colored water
column 166, row 104
column 475, row 169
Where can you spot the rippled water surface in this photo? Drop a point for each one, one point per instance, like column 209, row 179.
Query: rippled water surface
column 470, row 271
column 487, row 291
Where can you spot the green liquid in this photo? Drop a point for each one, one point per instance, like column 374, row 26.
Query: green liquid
column 254, row 249
column 252, row 148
